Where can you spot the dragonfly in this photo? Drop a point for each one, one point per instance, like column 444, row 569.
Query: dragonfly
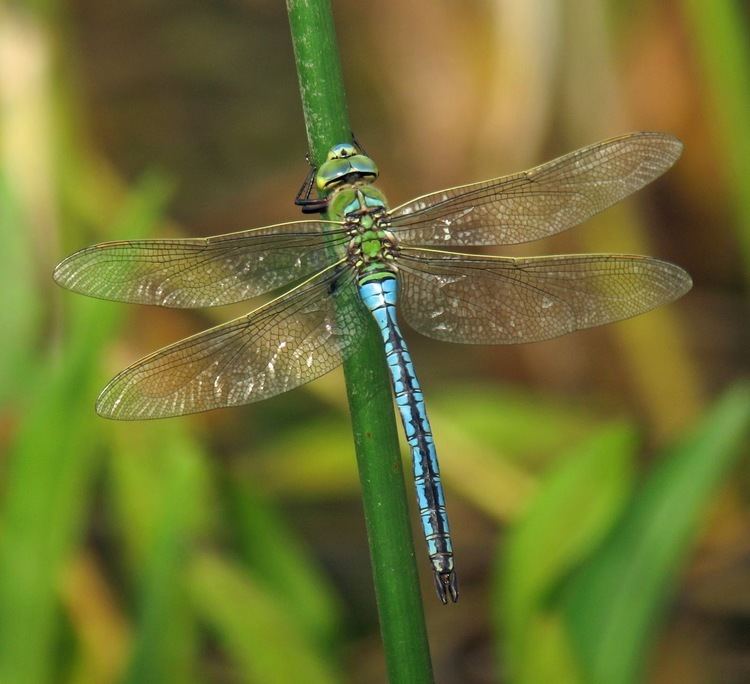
column 365, row 261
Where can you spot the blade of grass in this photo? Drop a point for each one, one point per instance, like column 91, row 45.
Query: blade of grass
column 49, row 470
column 20, row 313
column 282, row 563
column 480, row 474
column 165, row 646
column 254, row 628
column 495, row 439
column 368, row 387
column 575, row 506
column 285, row 468
column 529, row 429
column 615, row 603
column 140, row 469
column 28, row 187
column 97, row 619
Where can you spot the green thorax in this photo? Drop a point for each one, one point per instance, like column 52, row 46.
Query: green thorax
column 358, row 201
column 362, row 209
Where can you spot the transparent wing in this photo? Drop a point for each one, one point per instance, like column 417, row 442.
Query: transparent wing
column 500, row 300
column 200, row 272
column 291, row 340
column 540, row 202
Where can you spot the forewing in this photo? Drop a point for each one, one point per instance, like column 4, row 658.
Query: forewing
column 499, row 300
column 200, row 272
column 540, row 202
column 286, row 343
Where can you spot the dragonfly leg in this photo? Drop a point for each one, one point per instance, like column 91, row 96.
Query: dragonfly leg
column 358, row 144
column 304, row 198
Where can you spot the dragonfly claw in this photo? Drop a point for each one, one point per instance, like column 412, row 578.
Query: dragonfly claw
column 446, row 584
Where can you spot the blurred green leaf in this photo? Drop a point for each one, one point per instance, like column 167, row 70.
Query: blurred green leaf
column 165, row 647
column 256, row 629
column 550, row 658
column 615, row 603
column 136, row 474
column 50, row 465
column 574, row 507
column 473, row 426
column 496, row 485
column 525, row 427
column 20, row 313
column 96, row 621
column 285, row 467
column 278, row 559
column 723, row 46
column 140, row 470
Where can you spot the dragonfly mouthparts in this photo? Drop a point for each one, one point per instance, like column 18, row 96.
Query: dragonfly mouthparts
column 446, row 584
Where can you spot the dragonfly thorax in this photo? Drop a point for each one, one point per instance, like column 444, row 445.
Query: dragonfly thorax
column 363, row 211
column 372, row 246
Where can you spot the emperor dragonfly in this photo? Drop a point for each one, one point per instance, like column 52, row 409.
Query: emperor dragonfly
column 356, row 263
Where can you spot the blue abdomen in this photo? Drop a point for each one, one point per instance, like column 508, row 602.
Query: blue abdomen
column 379, row 292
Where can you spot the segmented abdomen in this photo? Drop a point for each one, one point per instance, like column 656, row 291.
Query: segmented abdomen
column 379, row 293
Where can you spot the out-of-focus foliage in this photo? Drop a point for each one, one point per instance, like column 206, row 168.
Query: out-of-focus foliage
column 597, row 483
column 616, row 599
column 602, row 601
column 577, row 502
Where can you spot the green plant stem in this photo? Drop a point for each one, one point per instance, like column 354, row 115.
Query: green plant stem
column 397, row 589
column 396, row 581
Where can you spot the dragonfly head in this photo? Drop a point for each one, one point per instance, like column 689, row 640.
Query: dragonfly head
column 345, row 164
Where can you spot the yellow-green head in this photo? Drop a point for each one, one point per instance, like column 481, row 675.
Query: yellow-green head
column 345, row 164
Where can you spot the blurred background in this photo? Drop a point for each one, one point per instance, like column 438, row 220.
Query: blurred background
column 598, row 484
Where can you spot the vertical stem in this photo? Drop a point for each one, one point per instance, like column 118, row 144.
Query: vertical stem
column 397, row 590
